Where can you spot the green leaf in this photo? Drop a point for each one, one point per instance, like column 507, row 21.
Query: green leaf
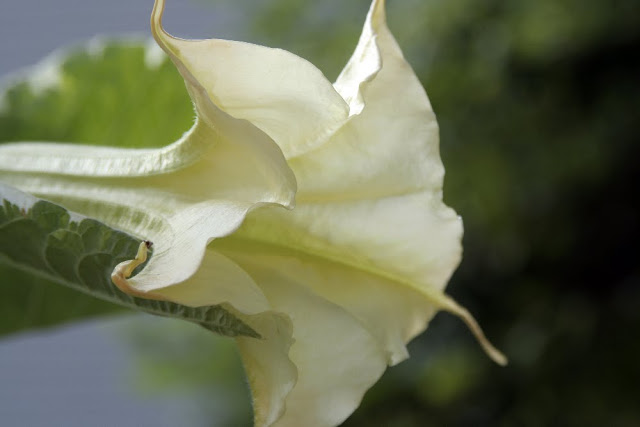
column 90, row 96
column 104, row 93
column 43, row 238
column 28, row 301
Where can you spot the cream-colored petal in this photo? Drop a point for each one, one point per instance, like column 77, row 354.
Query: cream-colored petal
column 385, row 176
column 282, row 94
column 392, row 312
column 336, row 356
column 270, row 372
column 364, row 64
column 373, row 193
column 409, row 238
column 371, row 197
column 218, row 280
column 181, row 209
column 391, row 147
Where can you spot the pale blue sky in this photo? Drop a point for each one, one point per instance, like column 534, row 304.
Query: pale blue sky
column 29, row 29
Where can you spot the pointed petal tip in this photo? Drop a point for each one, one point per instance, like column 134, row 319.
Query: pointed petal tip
column 156, row 14
column 496, row 355
column 124, row 270
column 447, row 303
column 377, row 14
column 157, row 30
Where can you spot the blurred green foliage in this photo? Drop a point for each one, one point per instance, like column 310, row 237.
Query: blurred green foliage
column 103, row 94
column 179, row 357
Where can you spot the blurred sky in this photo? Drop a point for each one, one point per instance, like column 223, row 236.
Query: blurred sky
column 30, row 29
column 75, row 375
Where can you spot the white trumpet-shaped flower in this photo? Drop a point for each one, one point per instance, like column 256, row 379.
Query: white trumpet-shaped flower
column 337, row 285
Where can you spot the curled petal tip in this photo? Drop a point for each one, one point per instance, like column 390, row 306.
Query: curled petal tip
column 157, row 30
column 453, row 307
column 156, row 14
column 377, row 11
column 124, row 270
column 495, row 354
